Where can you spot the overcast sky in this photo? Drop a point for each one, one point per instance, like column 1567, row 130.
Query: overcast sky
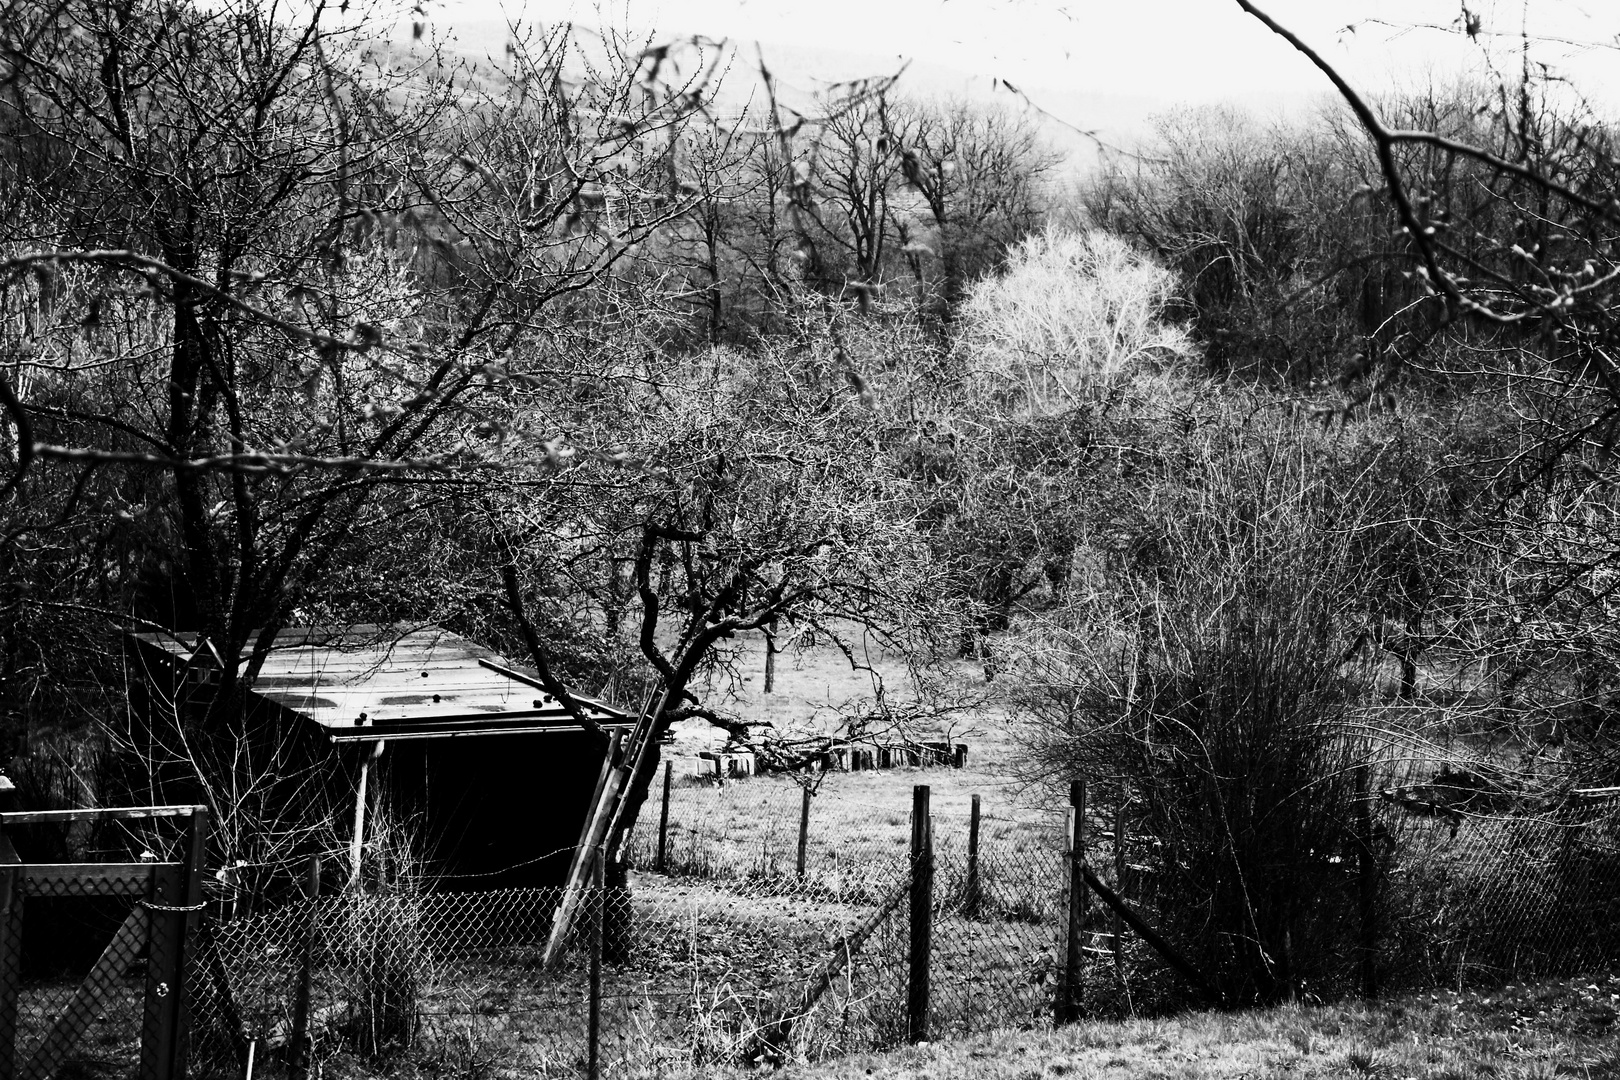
column 1171, row 50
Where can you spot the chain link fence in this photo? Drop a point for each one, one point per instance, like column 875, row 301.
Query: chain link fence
column 1481, row 899
column 733, row 953
column 73, row 1001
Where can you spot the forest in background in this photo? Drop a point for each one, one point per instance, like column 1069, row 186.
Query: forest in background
column 295, row 329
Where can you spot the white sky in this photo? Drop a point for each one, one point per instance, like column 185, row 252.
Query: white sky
column 1170, row 50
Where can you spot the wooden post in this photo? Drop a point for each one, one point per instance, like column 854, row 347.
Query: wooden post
column 1121, row 869
column 1070, row 995
column 663, row 822
column 922, row 915
column 173, row 906
column 164, row 930
column 971, row 901
column 196, row 860
column 358, row 841
column 804, row 828
column 298, row 1052
column 593, row 1034
column 770, row 656
column 1367, row 880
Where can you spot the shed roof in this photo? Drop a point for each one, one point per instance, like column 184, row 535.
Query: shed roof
column 366, row 682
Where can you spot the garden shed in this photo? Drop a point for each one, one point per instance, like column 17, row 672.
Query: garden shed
column 490, row 776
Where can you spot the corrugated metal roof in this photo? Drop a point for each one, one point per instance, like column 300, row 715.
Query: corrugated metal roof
column 367, row 682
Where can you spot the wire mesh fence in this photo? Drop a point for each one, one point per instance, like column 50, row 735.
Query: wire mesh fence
column 722, row 958
column 1477, row 899
column 75, row 1001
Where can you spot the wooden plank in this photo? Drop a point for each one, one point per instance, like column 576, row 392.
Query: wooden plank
column 382, row 653
column 770, row 1040
column 88, row 999
column 112, row 813
column 400, row 720
column 308, row 666
column 608, row 783
column 390, row 680
column 349, row 735
column 1152, row 938
column 90, row 879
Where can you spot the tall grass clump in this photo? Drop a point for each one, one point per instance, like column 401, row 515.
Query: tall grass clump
column 1204, row 686
column 1070, row 318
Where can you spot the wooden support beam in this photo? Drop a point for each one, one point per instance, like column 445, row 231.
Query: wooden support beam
column 119, row 813
column 357, row 842
column 1151, row 936
column 609, row 783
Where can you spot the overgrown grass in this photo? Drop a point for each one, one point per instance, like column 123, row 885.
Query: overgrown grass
column 1523, row 1032
column 1543, row 1030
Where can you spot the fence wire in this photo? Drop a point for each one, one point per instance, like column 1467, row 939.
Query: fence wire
column 731, row 953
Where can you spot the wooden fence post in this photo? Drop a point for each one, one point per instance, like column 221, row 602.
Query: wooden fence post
column 922, row 914
column 663, row 822
column 770, row 656
column 1367, row 880
column 971, row 900
column 1121, row 869
column 1070, row 995
column 804, row 829
column 298, row 1052
column 173, row 907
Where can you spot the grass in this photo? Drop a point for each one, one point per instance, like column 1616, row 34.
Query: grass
column 751, row 826
column 1536, row 1031
column 1542, row 1030
column 733, row 936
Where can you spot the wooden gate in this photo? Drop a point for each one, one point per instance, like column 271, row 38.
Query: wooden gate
column 160, row 928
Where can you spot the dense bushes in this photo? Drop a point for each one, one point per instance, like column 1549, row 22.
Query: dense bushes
column 1207, row 690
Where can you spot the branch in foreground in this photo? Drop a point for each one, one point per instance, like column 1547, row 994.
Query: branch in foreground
column 554, row 686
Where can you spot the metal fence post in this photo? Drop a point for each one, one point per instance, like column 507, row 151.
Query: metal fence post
column 593, row 1033
column 971, row 901
column 1070, row 995
column 663, row 822
column 922, row 915
column 298, row 1052
column 804, row 828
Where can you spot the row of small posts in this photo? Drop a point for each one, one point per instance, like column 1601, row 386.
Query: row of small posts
column 804, row 837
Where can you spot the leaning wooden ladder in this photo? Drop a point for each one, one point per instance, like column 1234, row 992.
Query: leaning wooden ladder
column 611, row 784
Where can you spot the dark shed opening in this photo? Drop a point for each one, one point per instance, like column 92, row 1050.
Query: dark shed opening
column 486, row 773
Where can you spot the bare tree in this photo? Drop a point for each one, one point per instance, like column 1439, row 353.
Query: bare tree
column 257, row 298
